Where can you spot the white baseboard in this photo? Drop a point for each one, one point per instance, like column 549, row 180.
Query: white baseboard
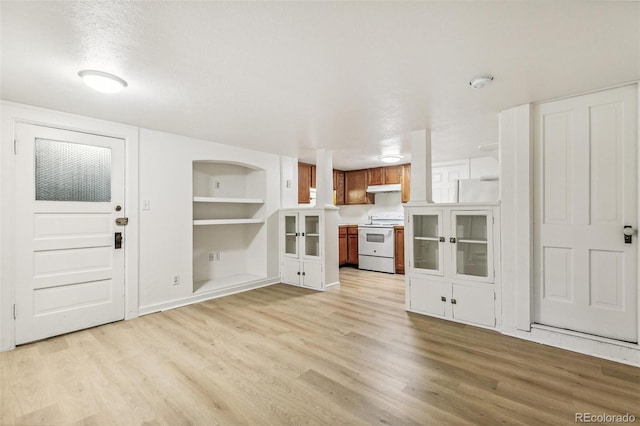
column 201, row 297
column 332, row 285
column 600, row 347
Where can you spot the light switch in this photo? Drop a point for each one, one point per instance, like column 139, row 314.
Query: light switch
column 146, row 204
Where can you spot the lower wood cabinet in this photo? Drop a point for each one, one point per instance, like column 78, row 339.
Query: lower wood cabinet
column 342, row 245
column 352, row 245
column 399, row 249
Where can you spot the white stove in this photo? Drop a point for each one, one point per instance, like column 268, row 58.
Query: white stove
column 376, row 247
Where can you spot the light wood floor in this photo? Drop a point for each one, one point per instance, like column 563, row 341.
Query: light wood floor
column 286, row 355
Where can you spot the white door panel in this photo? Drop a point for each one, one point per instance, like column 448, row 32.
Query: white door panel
column 312, row 275
column 586, row 192
column 69, row 275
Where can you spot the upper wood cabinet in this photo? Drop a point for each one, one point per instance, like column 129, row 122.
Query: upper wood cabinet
column 375, row 176
column 393, row 174
column 338, row 186
column 304, row 182
column 356, row 188
column 406, row 182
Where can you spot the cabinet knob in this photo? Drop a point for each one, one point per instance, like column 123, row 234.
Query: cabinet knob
column 304, row 273
column 452, row 240
column 453, row 301
column 442, row 239
column 442, row 298
column 298, row 272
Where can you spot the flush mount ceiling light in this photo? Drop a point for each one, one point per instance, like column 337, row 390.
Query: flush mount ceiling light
column 102, row 81
column 481, row 81
column 390, row 158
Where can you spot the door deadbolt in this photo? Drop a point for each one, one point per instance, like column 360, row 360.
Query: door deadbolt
column 117, row 240
column 118, row 208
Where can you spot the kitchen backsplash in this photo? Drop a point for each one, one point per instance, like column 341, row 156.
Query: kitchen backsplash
column 359, row 214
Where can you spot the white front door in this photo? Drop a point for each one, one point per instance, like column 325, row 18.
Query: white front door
column 585, row 193
column 69, row 273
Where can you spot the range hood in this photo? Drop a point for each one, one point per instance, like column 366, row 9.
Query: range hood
column 374, row 189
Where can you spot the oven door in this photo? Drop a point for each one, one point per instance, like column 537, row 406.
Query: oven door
column 375, row 241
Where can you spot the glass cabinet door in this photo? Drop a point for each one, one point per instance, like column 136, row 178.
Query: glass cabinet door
column 427, row 239
column 311, row 235
column 472, row 249
column 291, row 235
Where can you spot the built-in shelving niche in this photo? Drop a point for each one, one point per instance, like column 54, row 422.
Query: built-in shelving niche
column 228, row 219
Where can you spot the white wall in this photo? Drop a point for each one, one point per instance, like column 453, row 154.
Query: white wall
column 166, row 231
column 483, row 166
column 359, row 213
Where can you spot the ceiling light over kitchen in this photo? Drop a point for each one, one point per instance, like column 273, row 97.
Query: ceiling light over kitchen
column 390, row 158
column 102, row 81
column 481, row 81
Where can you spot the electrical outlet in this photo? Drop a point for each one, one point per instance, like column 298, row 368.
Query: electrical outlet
column 146, row 204
column 217, row 184
column 176, row 279
column 288, row 183
column 212, row 256
column 217, row 255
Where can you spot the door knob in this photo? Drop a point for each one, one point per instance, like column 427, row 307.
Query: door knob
column 628, row 233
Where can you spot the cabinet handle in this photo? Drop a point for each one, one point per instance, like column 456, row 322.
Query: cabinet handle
column 298, row 272
column 297, row 234
column 452, row 240
column 442, row 239
column 442, row 298
column 302, row 234
column 453, row 301
column 304, row 273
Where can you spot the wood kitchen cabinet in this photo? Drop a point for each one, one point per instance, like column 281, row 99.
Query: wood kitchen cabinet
column 406, row 182
column 356, row 188
column 399, row 249
column 352, row 245
column 342, row 245
column 375, row 176
column 304, row 183
column 392, row 174
column 338, row 186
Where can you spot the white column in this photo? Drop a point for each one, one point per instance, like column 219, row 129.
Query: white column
column 421, row 185
column 324, row 178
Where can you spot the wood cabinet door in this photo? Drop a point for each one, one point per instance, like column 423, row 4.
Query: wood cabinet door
column 304, row 183
column 352, row 249
column 356, row 188
column 339, row 186
column 406, row 183
column 392, row 174
column 375, row 176
column 342, row 249
column 399, row 250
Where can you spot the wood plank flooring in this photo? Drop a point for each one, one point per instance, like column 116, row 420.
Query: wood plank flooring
column 283, row 355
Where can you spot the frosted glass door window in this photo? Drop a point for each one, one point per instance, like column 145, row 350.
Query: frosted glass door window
column 426, row 242
column 312, row 235
column 472, row 246
column 291, row 235
column 66, row 171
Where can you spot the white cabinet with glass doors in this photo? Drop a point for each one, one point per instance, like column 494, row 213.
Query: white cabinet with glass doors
column 304, row 241
column 452, row 261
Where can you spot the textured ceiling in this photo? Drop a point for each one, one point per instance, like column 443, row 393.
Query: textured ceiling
column 291, row 77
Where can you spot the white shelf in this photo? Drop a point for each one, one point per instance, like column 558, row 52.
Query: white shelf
column 473, row 241
column 229, row 281
column 225, row 221
column 228, row 200
column 427, row 238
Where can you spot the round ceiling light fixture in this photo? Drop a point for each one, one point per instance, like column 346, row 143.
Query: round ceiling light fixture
column 102, row 81
column 480, row 81
column 390, row 158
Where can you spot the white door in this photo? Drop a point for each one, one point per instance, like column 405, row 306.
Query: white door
column 444, row 181
column 585, row 193
column 69, row 275
column 472, row 245
column 312, row 275
column 426, row 242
